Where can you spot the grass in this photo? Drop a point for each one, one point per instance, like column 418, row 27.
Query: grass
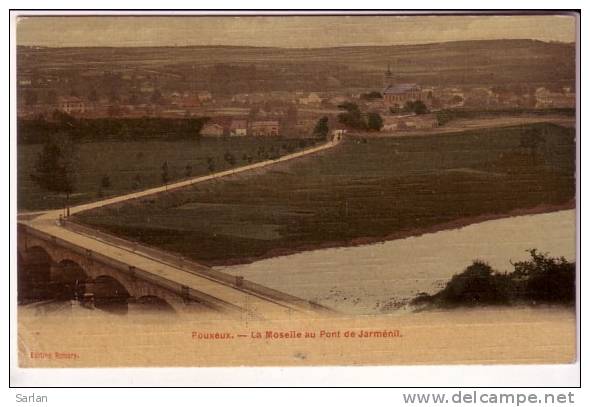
column 363, row 190
column 449, row 115
column 138, row 165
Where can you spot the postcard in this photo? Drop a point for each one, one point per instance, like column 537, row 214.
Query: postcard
column 296, row 190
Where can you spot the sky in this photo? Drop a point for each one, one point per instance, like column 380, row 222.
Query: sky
column 285, row 31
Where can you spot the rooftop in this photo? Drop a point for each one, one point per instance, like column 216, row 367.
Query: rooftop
column 400, row 88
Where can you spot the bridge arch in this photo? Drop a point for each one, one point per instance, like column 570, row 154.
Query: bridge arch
column 153, row 304
column 109, row 294
column 69, row 280
column 34, row 275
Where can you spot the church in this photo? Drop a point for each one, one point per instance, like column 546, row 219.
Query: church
column 396, row 95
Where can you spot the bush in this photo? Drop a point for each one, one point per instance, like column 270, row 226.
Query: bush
column 547, row 279
column 478, row 284
column 374, row 121
column 542, row 279
column 417, row 107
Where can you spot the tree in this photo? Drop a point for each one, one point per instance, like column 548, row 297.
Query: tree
column 193, row 126
column 456, row 99
column 374, row 121
column 105, row 182
column 352, row 117
column 64, row 119
column 165, row 173
column 547, row 279
column 56, row 165
column 210, row 164
column 475, row 285
column 542, row 279
column 229, row 157
column 321, row 128
column 415, row 106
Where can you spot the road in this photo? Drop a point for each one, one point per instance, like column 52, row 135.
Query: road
column 255, row 304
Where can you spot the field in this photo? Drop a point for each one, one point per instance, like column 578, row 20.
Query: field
column 361, row 191
column 227, row 69
column 138, row 165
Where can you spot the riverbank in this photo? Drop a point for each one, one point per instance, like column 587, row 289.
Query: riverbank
column 454, row 224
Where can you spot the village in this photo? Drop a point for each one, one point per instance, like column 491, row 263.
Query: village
column 399, row 106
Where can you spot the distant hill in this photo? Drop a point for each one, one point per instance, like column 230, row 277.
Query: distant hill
column 490, row 62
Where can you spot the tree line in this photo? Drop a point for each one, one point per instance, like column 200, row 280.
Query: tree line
column 39, row 130
column 353, row 118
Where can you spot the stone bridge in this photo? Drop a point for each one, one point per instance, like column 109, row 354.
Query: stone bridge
column 50, row 267
column 59, row 262
column 53, row 268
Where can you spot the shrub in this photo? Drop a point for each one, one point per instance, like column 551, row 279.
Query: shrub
column 478, row 284
column 542, row 279
column 547, row 279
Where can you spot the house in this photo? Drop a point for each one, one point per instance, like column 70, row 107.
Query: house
column 238, row 128
column 337, row 133
column 212, row 130
column 549, row 99
column 204, row 96
column 337, row 100
column 311, row 99
column 71, row 105
column 480, row 97
column 449, row 97
column 184, row 101
column 147, row 87
column 264, row 128
column 242, row 98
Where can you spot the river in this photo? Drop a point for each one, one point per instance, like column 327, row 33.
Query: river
column 380, row 278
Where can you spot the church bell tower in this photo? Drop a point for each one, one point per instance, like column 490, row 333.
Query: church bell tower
column 388, row 77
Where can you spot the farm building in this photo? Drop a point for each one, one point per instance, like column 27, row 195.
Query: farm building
column 238, row 128
column 264, row 128
column 71, row 105
column 212, row 130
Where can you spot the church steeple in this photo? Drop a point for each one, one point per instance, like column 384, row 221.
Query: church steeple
column 388, row 77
